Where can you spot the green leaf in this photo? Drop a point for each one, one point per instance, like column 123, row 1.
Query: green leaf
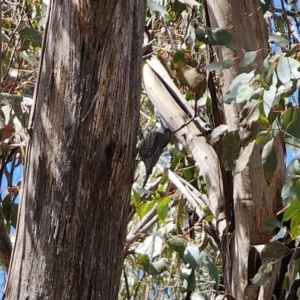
column 293, row 127
column 188, row 174
column 213, row 272
column 287, row 69
column 244, row 158
column 269, row 96
column 6, row 208
column 177, row 243
column 157, row 267
column 137, row 203
column 264, row 274
column 151, row 246
column 264, row 122
column 288, row 117
column 32, row 35
column 220, row 36
column 215, row 36
column 207, row 211
column 191, row 282
column 156, row 7
column 248, row 59
column 263, row 137
column 10, row 212
column 296, row 268
column 274, row 250
column 279, row 22
column 291, row 143
column 291, row 210
column 287, row 193
column 145, row 208
column 179, row 59
column 297, row 186
column 217, row 132
column 280, row 40
column 271, row 224
column 293, row 170
column 188, row 279
column 295, row 225
column 14, row 214
column 143, row 260
column 231, row 149
column 269, row 160
column 191, row 256
column 235, row 85
column 245, row 93
column 220, row 65
column 5, row 38
column 162, row 208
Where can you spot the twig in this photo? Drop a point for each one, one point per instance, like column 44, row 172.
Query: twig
column 126, row 284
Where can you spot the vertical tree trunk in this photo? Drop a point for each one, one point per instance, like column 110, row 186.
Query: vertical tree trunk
column 81, row 156
column 254, row 199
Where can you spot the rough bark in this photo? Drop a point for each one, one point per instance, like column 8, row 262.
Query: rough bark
column 254, row 199
column 81, row 156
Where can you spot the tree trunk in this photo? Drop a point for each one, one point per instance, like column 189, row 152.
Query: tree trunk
column 81, row 156
column 254, row 199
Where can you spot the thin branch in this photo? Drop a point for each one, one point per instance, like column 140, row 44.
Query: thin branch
column 126, row 284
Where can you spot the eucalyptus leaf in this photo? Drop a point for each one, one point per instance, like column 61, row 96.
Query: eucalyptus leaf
column 191, row 256
column 280, row 40
column 271, row 224
column 244, row 158
column 235, row 85
column 245, row 93
column 163, row 207
column 295, row 225
column 220, row 65
column 248, row 59
column 263, row 137
column 273, row 250
column 157, row 267
column 294, row 125
column 152, row 246
column 217, row 132
column 32, row 35
column 156, row 7
column 287, row 69
column 269, row 96
column 291, row 210
column 269, row 160
column 215, row 36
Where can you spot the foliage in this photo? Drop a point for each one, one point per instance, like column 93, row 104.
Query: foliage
column 163, row 259
column 167, row 254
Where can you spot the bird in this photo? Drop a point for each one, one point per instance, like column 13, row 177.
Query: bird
column 152, row 146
